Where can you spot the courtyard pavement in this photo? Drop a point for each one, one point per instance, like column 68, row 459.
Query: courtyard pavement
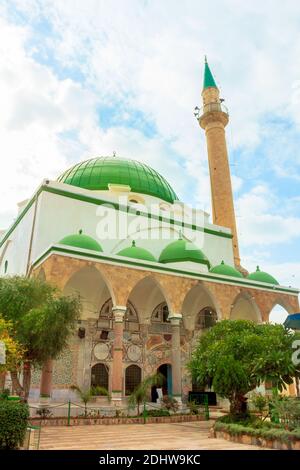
column 165, row 436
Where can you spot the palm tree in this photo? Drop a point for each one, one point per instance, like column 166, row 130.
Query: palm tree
column 140, row 393
column 84, row 395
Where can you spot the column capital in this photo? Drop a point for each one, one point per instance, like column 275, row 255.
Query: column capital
column 119, row 313
column 175, row 318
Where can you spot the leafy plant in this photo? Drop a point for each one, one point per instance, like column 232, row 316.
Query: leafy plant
column 13, row 423
column 96, row 390
column 44, row 412
column 170, row 403
column 193, row 407
column 260, row 404
column 288, row 411
column 141, row 392
column 238, row 355
column 84, row 395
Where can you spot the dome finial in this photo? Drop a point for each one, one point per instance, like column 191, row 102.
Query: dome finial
column 133, row 243
column 222, row 262
column 80, row 231
column 257, row 268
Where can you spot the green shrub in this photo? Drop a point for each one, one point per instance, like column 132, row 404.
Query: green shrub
column 193, row 407
column 258, row 429
column 259, row 402
column 288, row 411
column 96, row 390
column 158, row 412
column 13, row 423
column 170, row 403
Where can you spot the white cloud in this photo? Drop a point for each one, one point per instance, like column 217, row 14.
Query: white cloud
column 148, row 56
column 258, row 222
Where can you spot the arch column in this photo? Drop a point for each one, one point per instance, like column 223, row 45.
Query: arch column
column 175, row 319
column 117, row 365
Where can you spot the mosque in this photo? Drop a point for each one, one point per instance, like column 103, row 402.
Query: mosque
column 152, row 274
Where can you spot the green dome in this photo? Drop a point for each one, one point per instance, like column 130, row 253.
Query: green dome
column 136, row 252
column 226, row 270
column 81, row 241
column 182, row 250
column 98, row 173
column 261, row 276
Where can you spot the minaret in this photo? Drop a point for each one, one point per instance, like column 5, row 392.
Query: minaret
column 213, row 118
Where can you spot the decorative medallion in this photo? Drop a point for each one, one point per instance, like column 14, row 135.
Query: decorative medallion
column 101, row 351
column 134, row 352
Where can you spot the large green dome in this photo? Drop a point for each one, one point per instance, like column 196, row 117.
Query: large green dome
column 97, row 173
column 262, row 276
column 182, row 250
column 79, row 240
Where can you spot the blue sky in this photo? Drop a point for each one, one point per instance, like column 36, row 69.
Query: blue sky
column 84, row 78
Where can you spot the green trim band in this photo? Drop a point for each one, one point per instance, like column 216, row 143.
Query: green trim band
column 118, row 349
column 161, row 267
column 117, row 391
column 100, row 202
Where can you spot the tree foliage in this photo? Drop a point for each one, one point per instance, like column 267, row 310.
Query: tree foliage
column 14, row 351
column 237, row 356
column 42, row 320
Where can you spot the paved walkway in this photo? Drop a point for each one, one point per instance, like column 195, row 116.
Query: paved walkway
column 171, row 436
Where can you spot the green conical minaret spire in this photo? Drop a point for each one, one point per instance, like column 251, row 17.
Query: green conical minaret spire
column 209, row 80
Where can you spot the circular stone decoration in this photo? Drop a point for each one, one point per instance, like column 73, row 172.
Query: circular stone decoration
column 101, row 351
column 134, row 352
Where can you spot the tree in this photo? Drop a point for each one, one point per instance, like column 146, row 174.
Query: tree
column 236, row 356
column 42, row 320
column 13, row 350
column 84, row 395
column 140, row 393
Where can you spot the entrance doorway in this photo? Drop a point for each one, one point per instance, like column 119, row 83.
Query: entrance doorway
column 166, row 371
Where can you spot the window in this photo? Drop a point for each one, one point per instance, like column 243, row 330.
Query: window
column 99, row 376
column 161, row 313
column 133, row 376
column 206, row 318
column 106, row 317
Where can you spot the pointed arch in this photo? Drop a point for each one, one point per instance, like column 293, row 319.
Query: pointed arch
column 146, row 294
column 89, row 284
column 198, row 298
column 244, row 307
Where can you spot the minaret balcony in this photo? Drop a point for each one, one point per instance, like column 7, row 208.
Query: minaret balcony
column 212, row 112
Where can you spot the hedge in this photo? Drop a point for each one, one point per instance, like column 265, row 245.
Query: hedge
column 270, row 433
column 13, row 423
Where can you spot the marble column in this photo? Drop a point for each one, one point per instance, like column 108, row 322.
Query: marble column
column 117, row 365
column 46, row 379
column 175, row 319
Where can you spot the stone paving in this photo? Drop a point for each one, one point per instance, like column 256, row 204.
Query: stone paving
column 171, row 436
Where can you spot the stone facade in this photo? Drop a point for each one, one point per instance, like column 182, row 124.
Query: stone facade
column 145, row 342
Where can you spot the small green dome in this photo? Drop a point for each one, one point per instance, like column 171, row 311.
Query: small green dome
column 81, row 241
column 136, row 252
column 182, row 250
column 97, row 173
column 261, row 276
column 226, row 270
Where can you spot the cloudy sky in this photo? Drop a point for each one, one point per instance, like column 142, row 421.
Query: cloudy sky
column 80, row 78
